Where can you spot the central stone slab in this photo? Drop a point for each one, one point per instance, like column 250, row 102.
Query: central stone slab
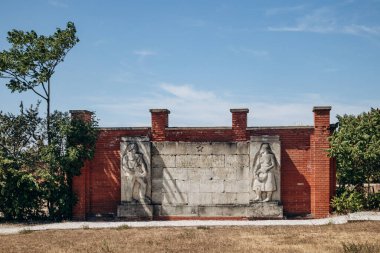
column 203, row 179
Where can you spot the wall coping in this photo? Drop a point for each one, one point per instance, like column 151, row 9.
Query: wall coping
column 321, row 108
column 197, row 128
column 280, row 127
column 123, row 128
column 81, row 111
column 206, row 128
column 160, row 110
column 240, row 110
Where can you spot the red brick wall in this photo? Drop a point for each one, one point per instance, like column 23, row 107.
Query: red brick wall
column 307, row 174
column 296, row 171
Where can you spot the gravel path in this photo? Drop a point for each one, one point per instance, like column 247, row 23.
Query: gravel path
column 360, row 216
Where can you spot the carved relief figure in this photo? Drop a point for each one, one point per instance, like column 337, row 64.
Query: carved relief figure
column 264, row 179
column 135, row 171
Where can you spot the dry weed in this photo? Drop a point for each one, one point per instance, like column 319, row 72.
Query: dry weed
column 215, row 239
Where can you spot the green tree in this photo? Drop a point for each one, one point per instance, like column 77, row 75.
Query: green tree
column 35, row 175
column 355, row 145
column 72, row 143
column 21, row 196
column 31, row 61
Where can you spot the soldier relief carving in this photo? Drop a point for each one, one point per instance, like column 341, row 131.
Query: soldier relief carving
column 264, row 166
column 135, row 174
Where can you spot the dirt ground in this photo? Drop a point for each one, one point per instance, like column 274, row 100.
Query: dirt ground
column 327, row 238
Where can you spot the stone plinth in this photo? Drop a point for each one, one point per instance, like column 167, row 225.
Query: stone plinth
column 136, row 211
column 268, row 210
column 265, row 210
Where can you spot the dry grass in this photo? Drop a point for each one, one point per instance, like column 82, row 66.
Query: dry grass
column 328, row 238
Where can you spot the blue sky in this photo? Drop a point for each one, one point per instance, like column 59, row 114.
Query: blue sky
column 200, row 58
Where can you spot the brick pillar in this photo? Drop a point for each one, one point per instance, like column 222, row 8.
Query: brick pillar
column 81, row 184
column 160, row 121
column 239, row 124
column 322, row 177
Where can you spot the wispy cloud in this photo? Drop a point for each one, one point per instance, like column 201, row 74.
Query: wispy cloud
column 324, row 20
column 193, row 106
column 186, row 92
column 319, row 21
column 249, row 51
column 284, row 10
column 361, row 29
column 57, row 3
column 144, row 53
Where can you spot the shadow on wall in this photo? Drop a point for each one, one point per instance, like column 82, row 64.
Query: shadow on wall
column 165, row 187
column 295, row 195
column 104, row 183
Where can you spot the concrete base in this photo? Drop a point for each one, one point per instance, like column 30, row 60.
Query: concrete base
column 266, row 210
column 135, row 211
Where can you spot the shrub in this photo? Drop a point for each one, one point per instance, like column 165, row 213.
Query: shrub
column 348, row 202
column 373, row 201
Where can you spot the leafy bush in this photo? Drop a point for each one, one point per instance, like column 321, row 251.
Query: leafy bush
column 20, row 195
column 373, row 201
column 348, row 202
column 35, row 175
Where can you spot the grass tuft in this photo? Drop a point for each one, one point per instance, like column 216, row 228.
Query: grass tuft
column 123, row 227
column 203, row 227
column 365, row 247
column 25, row 231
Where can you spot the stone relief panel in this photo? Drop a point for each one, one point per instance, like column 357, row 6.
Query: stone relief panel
column 265, row 155
column 135, row 170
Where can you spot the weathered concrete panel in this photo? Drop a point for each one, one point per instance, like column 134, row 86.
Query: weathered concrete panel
column 206, row 179
column 224, row 173
column 163, row 161
column 157, row 185
column 157, row 197
column 211, row 186
column 237, row 186
column 237, row 161
column 242, row 198
column 225, row 198
column 197, row 174
column 170, row 210
column 211, row 211
column 175, row 173
column 135, row 211
column 157, row 173
column 268, row 209
column 193, row 185
column 175, row 198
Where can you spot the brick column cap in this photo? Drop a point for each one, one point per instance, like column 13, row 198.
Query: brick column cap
column 321, row 108
column 160, row 110
column 80, row 112
column 246, row 110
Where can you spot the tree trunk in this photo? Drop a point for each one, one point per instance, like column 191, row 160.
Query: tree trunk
column 48, row 113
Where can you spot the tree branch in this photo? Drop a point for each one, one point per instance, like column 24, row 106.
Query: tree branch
column 24, row 81
column 43, row 86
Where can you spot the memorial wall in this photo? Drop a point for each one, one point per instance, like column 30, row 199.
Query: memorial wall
column 236, row 172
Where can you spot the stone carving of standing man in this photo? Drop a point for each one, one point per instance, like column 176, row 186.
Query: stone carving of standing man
column 135, row 171
column 264, row 179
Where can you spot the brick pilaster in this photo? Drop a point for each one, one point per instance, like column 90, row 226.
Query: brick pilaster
column 322, row 177
column 160, row 121
column 239, row 124
column 81, row 186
